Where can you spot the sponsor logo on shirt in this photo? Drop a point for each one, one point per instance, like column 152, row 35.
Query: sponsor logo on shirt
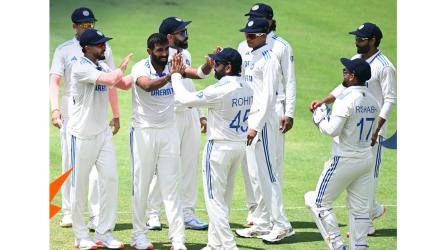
column 101, row 88
column 162, row 92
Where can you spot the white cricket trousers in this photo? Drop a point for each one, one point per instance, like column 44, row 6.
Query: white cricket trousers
column 251, row 200
column 261, row 155
column 220, row 161
column 354, row 176
column 188, row 126
column 378, row 151
column 93, row 190
column 84, row 154
column 153, row 148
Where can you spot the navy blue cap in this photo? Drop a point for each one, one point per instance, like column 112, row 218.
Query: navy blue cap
column 228, row 55
column 82, row 15
column 260, row 10
column 172, row 24
column 368, row 30
column 256, row 25
column 359, row 67
column 92, row 37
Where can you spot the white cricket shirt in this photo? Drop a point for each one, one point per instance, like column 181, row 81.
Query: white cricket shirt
column 229, row 102
column 153, row 109
column 382, row 85
column 360, row 109
column 90, row 100
column 261, row 71
column 65, row 55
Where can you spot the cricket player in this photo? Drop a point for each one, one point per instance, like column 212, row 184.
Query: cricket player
column 285, row 99
column 90, row 139
column 188, row 123
column 261, row 70
column 382, row 85
column 154, row 143
column 65, row 56
column 229, row 102
column 351, row 124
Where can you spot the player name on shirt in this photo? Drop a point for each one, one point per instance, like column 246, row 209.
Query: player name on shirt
column 365, row 109
column 241, row 101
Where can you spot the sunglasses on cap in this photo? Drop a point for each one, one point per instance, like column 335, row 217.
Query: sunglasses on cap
column 361, row 39
column 86, row 25
column 183, row 33
column 252, row 36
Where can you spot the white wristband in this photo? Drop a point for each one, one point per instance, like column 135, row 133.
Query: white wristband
column 200, row 72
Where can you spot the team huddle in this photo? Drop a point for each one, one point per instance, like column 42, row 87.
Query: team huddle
column 249, row 109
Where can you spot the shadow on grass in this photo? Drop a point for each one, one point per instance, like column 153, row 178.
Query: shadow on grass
column 307, row 224
column 167, row 245
column 129, row 226
column 386, row 232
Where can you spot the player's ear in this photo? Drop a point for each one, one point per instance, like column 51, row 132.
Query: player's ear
column 169, row 38
column 228, row 69
column 149, row 51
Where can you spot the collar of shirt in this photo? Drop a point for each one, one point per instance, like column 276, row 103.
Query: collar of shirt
column 98, row 66
column 259, row 49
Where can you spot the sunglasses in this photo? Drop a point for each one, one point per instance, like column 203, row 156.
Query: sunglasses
column 217, row 63
column 86, row 25
column 252, row 36
column 101, row 45
column 183, row 33
column 361, row 39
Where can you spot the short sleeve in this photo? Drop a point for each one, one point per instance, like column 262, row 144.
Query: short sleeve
column 140, row 69
column 86, row 73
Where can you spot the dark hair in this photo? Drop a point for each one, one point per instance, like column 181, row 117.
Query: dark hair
column 156, row 38
column 273, row 26
column 377, row 42
column 235, row 71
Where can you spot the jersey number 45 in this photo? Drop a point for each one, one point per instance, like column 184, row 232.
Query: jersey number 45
column 238, row 122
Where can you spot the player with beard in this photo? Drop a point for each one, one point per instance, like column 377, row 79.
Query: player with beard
column 188, row 122
column 154, row 142
column 382, row 86
column 90, row 139
column 66, row 54
column 229, row 101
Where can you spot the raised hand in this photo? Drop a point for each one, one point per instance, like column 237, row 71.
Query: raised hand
column 125, row 61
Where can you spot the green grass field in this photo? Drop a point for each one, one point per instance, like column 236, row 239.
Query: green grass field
column 319, row 37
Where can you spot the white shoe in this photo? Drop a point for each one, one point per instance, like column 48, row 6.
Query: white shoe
column 153, row 223
column 380, row 210
column 277, row 234
column 85, row 243
column 178, row 246
column 107, row 240
column 93, row 222
column 250, row 232
column 66, row 221
column 142, row 243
